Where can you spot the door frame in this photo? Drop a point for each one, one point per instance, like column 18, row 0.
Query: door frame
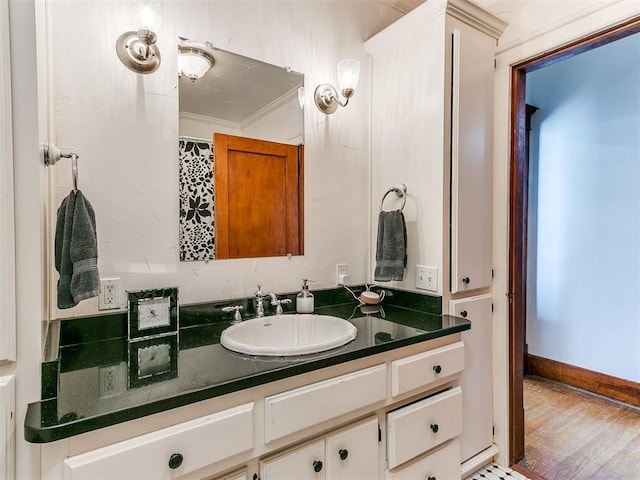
column 518, row 195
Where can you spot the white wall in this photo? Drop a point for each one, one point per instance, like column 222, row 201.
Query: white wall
column 532, row 31
column 125, row 127
column 583, row 308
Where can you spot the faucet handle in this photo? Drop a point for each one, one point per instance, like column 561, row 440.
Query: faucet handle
column 278, row 304
column 236, row 316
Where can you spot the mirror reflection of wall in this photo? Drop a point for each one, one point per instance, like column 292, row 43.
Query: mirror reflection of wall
column 241, row 97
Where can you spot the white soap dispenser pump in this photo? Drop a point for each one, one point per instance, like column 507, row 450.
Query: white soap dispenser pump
column 304, row 299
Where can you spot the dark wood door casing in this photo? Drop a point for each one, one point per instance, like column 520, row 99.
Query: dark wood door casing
column 518, row 197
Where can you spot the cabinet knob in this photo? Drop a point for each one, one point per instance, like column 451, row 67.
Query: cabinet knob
column 431, row 478
column 434, row 427
column 464, row 313
column 344, row 453
column 175, row 460
column 466, row 280
column 437, row 369
column 317, row 466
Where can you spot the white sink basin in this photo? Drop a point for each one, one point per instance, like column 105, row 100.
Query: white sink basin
column 288, row 335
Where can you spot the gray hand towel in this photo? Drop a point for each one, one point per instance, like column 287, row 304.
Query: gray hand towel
column 76, row 251
column 391, row 254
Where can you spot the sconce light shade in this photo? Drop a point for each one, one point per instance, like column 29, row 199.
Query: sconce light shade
column 326, row 95
column 195, row 62
column 301, row 96
column 147, row 14
column 348, row 74
column 137, row 50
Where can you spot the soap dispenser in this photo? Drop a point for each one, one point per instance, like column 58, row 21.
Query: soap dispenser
column 304, row 300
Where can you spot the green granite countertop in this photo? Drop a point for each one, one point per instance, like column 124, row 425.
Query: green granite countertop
column 84, row 353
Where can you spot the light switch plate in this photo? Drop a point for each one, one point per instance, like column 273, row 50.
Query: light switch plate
column 427, row 278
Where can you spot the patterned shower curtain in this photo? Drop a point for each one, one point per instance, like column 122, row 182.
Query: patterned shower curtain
column 197, row 210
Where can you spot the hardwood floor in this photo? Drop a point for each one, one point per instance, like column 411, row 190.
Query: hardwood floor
column 574, row 435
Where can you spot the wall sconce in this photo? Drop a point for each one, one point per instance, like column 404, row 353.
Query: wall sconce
column 137, row 50
column 195, row 61
column 326, row 96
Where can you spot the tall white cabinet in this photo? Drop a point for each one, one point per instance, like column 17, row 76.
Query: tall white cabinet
column 432, row 129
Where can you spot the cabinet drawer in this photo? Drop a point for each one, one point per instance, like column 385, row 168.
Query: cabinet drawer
column 200, row 442
column 418, row 427
column 295, row 410
column 303, row 463
column 441, row 464
column 420, row 370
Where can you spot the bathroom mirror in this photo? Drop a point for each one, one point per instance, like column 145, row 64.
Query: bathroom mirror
column 241, row 136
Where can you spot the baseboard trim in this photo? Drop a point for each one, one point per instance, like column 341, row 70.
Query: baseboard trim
column 478, row 461
column 614, row 388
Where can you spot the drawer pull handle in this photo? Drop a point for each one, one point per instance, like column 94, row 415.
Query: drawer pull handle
column 317, row 466
column 434, row 427
column 466, row 280
column 437, row 369
column 464, row 313
column 344, row 453
column 175, row 461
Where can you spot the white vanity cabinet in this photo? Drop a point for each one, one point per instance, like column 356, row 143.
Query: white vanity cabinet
column 348, row 454
column 345, row 422
column 432, row 129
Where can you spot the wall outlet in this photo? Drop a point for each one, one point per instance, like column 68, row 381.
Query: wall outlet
column 109, row 297
column 108, row 378
column 427, row 278
column 342, row 277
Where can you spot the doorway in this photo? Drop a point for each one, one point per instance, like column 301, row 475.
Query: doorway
column 518, row 218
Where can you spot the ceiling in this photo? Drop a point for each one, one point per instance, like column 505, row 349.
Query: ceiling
column 236, row 87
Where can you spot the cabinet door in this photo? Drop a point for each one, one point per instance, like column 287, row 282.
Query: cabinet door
column 352, row 454
column 7, row 426
column 243, row 475
column 471, row 157
column 304, row 463
column 7, row 243
column 441, row 464
column 477, row 374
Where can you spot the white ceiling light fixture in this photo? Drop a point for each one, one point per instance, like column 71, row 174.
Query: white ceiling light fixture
column 195, row 61
column 326, row 95
column 137, row 49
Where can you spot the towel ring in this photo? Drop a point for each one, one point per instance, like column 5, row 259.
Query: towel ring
column 74, row 170
column 52, row 155
column 400, row 190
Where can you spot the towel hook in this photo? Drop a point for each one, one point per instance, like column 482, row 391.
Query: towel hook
column 400, row 190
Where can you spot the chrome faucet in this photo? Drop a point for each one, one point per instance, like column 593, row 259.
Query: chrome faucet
column 259, row 299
